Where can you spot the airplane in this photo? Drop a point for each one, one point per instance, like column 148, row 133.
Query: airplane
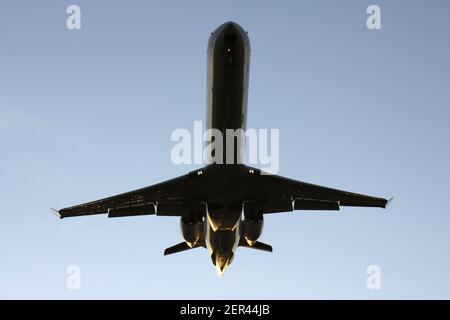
column 222, row 206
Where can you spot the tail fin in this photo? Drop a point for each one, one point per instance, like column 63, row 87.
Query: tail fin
column 182, row 246
column 257, row 245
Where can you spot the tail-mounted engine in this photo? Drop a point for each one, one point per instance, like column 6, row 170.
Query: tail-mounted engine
column 192, row 230
column 253, row 223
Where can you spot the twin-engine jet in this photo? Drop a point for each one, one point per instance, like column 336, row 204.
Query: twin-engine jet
column 222, row 206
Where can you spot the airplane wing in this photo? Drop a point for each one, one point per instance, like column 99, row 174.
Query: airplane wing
column 187, row 193
column 143, row 201
column 280, row 194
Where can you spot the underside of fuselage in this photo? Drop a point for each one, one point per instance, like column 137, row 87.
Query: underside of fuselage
column 228, row 66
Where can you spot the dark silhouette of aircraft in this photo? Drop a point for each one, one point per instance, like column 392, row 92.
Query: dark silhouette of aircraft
column 222, row 205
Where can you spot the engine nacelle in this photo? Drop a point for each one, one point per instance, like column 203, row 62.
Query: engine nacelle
column 252, row 228
column 191, row 230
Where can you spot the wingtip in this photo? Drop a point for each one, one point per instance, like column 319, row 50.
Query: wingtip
column 388, row 202
column 56, row 212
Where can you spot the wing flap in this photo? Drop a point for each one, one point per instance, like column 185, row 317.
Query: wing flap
column 314, row 204
column 141, row 210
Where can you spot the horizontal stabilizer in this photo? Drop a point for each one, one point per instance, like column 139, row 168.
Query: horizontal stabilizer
column 257, row 245
column 182, row 246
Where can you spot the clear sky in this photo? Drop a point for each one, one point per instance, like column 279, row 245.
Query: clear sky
column 88, row 113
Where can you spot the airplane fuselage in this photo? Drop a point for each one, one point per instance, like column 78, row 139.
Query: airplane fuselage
column 227, row 91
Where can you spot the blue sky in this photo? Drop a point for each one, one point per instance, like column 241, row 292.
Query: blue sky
column 88, row 113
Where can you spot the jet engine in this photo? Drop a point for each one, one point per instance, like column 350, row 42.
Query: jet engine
column 191, row 230
column 252, row 228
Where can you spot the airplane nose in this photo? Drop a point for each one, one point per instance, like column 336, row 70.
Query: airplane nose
column 230, row 29
column 233, row 32
column 230, row 34
column 231, row 26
